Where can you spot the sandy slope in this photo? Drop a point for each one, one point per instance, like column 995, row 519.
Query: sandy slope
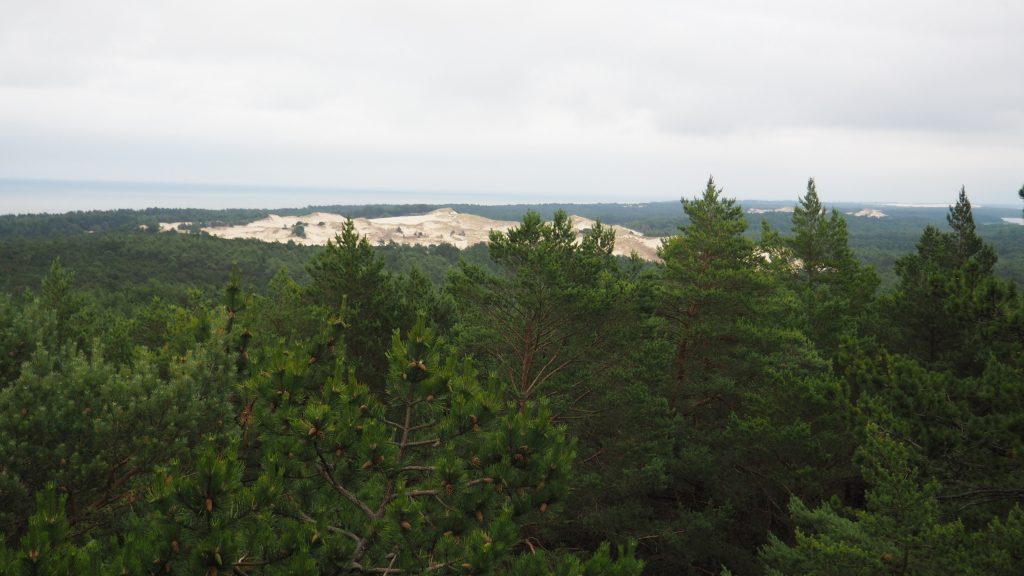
column 440, row 226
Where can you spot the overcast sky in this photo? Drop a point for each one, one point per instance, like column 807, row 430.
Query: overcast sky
column 561, row 100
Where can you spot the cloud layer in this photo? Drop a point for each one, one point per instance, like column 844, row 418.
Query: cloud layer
column 578, row 100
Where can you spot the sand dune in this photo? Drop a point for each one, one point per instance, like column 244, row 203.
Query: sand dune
column 784, row 209
column 868, row 213
column 440, row 226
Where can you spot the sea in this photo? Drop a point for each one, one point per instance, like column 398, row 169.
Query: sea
column 59, row 196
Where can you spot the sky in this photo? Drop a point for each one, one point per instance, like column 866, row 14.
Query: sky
column 560, row 100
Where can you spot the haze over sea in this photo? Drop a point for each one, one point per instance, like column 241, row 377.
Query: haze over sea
column 26, row 196
column 19, row 196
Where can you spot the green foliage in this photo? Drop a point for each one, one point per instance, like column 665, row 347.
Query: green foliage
column 432, row 476
column 941, row 404
column 554, row 318
column 833, row 288
column 75, row 420
column 948, row 296
column 712, row 296
column 44, row 548
column 758, row 414
column 124, row 270
column 417, row 293
column 436, row 473
column 901, row 530
column 206, row 519
column 745, row 406
column 348, row 279
column 964, row 428
column 538, row 319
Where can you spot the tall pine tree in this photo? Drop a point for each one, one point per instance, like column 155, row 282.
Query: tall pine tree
column 753, row 400
column 833, row 288
column 947, row 292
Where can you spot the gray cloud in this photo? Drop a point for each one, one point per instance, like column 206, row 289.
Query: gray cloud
column 581, row 99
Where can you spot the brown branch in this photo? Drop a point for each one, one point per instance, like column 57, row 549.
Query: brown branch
column 331, row 528
column 393, row 424
column 417, row 443
column 325, row 471
column 416, row 493
column 998, row 493
column 423, row 426
column 541, row 380
column 416, row 469
column 359, row 567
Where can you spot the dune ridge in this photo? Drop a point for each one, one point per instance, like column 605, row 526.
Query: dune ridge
column 443, row 225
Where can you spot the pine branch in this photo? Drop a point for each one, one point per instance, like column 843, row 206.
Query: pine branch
column 325, row 471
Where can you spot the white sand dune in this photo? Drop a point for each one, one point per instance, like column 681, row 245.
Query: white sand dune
column 440, row 226
column 784, row 209
column 868, row 213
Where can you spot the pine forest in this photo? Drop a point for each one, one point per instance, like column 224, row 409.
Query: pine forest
column 766, row 399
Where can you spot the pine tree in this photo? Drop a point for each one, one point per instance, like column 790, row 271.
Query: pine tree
column 57, row 295
column 556, row 318
column 970, row 253
column 96, row 428
column 711, row 287
column 752, row 397
column 205, row 518
column 960, row 427
column 811, row 239
column 961, row 220
column 547, row 320
column 45, row 547
column 937, row 309
column 56, row 291
column 436, row 474
column 348, row 280
column 901, row 531
column 834, row 289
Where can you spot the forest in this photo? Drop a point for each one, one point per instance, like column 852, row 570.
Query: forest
column 768, row 400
